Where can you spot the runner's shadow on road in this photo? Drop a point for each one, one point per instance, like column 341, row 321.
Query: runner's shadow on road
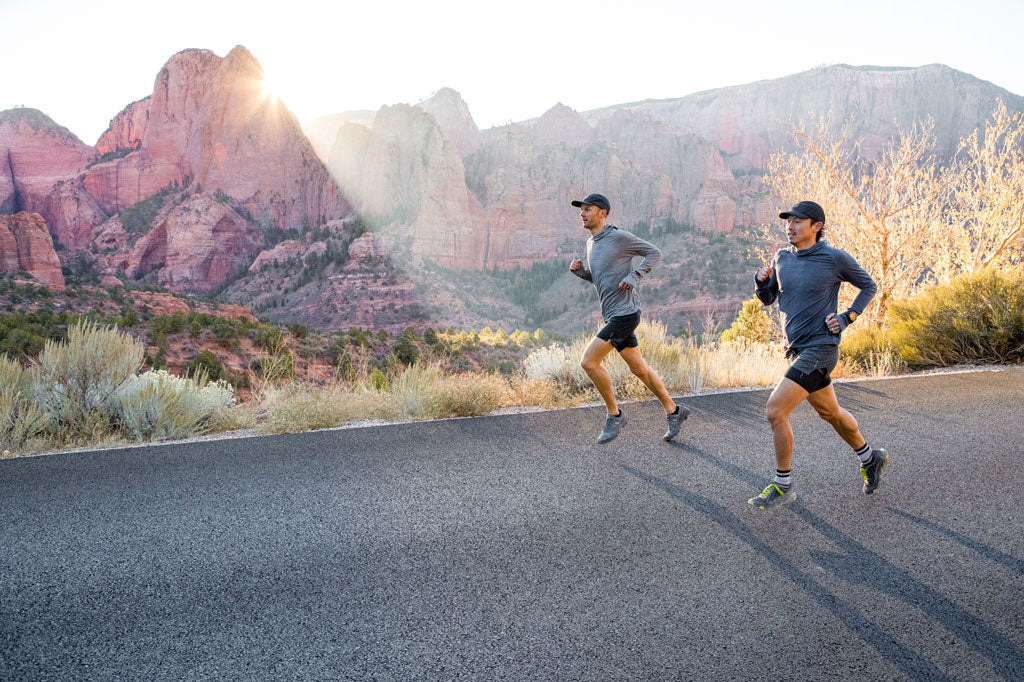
column 744, row 409
column 1011, row 562
column 857, row 563
column 905, row 659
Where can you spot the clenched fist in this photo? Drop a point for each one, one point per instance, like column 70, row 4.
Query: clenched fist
column 764, row 273
column 575, row 265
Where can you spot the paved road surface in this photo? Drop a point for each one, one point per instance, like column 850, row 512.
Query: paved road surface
column 515, row 548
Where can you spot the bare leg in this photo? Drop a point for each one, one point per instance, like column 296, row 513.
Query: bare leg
column 591, row 364
column 825, row 404
column 635, row 361
column 783, row 400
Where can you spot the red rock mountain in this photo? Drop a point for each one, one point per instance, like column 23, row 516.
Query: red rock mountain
column 26, row 246
column 697, row 160
column 183, row 185
column 211, row 121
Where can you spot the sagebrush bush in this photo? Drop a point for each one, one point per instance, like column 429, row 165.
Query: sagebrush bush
column 974, row 319
column 413, row 389
column 79, row 378
column 157, row 405
column 21, row 419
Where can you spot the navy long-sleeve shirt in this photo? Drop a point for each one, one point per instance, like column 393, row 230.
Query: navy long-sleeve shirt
column 806, row 284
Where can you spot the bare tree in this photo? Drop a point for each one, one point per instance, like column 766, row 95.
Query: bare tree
column 984, row 220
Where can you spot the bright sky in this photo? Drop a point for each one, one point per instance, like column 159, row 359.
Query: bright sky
column 81, row 61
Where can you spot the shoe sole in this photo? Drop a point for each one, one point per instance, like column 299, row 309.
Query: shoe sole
column 881, row 474
column 684, row 415
column 778, row 504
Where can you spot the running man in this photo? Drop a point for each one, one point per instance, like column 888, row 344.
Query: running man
column 805, row 279
column 610, row 254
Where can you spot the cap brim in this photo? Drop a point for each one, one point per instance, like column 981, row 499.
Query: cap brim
column 577, row 204
column 794, row 214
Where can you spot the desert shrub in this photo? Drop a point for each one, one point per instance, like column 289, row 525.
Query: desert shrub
column 752, row 323
column 869, row 350
column 79, row 378
column 275, row 367
column 974, row 319
column 269, row 338
column 159, row 406
column 378, row 381
column 21, row 419
column 406, row 350
column 467, row 395
column 22, row 343
column 413, row 388
column 206, row 363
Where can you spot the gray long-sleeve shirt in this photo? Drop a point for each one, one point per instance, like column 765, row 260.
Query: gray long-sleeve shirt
column 610, row 262
column 806, row 284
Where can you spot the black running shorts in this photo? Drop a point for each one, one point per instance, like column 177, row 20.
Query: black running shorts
column 619, row 331
column 812, row 367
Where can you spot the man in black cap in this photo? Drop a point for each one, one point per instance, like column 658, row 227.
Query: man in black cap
column 805, row 278
column 610, row 253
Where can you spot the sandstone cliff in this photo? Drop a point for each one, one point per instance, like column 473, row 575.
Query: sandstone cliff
column 26, row 246
column 404, row 173
column 38, row 164
column 210, row 121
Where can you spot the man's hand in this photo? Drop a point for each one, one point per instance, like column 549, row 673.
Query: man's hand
column 575, row 265
column 625, row 286
column 764, row 273
column 833, row 323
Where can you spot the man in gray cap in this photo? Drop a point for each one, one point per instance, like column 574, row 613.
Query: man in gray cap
column 610, row 253
column 805, row 279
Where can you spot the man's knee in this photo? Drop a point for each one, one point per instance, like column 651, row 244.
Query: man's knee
column 775, row 414
column 589, row 364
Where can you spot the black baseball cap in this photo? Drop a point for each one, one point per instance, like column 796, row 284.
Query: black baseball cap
column 599, row 200
column 806, row 209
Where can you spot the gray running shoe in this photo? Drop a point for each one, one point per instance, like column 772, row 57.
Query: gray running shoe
column 874, row 472
column 674, row 422
column 612, row 426
column 772, row 496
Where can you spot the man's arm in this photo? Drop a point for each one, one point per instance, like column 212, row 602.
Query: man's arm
column 849, row 270
column 576, row 268
column 635, row 246
column 766, row 284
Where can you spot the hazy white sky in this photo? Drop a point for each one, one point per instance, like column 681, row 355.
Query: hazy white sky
column 82, row 61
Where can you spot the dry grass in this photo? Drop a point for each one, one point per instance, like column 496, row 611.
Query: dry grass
column 301, row 406
column 743, row 363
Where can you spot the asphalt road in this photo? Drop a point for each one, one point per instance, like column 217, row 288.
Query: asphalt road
column 516, row 548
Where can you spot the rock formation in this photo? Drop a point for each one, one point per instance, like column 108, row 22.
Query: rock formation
column 210, row 121
column 26, row 246
column 38, row 164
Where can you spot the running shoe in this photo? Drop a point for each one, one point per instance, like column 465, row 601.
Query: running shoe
column 612, row 426
column 772, row 496
column 674, row 422
column 874, row 472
